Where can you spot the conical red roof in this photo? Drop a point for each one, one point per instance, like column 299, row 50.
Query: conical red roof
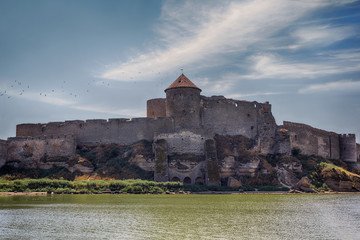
column 182, row 82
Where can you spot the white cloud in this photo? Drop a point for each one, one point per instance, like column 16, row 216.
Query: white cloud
column 219, row 85
column 253, row 94
column 195, row 32
column 338, row 86
column 273, row 66
column 322, row 35
column 110, row 110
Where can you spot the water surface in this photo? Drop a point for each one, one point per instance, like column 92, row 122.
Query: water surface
column 247, row 216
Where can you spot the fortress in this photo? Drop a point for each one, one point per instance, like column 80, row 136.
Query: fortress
column 188, row 132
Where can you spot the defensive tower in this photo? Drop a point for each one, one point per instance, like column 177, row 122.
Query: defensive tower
column 183, row 103
column 348, row 147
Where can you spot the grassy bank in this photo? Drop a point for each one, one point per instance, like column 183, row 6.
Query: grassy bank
column 121, row 186
column 94, row 186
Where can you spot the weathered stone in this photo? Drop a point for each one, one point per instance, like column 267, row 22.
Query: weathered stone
column 146, row 164
column 234, row 183
column 345, row 186
column 161, row 161
column 212, row 164
column 304, row 185
column 357, row 186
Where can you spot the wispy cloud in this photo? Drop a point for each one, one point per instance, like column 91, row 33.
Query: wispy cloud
column 191, row 33
column 110, row 110
column 321, row 35
column 338, row 86
column 240, row 95
column 273, row 66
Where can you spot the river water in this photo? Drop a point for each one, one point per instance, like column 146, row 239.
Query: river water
column 245, row 216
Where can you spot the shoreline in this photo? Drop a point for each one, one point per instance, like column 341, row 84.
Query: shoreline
column 169, row 193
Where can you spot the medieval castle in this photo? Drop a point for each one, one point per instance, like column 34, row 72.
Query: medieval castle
column 185, row 129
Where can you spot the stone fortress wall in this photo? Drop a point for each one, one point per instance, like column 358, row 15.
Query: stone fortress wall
column 222, row 116
column 120, row 131
column 313, row 141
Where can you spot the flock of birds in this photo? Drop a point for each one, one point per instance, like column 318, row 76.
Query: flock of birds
column 17, row 88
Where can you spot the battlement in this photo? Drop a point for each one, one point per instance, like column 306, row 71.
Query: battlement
column 121, row 130
column 305, row 127
column 349, row 135
column 118, row 120
column 100, row 121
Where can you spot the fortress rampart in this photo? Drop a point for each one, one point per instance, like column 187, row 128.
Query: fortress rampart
column 254, row 120
column 217, row 115
column 313, row 141
column 121, row 131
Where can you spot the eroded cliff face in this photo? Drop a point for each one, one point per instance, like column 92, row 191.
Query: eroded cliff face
column 91, row 160
column 240, row 165
column 225, row 160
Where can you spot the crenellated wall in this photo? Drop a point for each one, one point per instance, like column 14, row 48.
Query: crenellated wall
column 121, row 131
column 313, row 141
column 39, row 152
column 348, row 147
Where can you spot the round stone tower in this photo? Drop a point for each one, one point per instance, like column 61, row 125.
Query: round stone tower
column 183, row 103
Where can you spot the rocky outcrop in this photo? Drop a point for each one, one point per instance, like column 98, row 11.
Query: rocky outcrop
column 304, row 185
column 234, row 183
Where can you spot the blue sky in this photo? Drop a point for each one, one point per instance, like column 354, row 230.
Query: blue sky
column 68, row 60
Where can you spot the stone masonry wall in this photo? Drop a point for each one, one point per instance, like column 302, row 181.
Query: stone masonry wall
column 184, row 142
column 313, row 141
column 232, row 117
column 36, row 152
column 156, row 108
column 358, row 152
column 183, row 105
column 3, row 152
column 120, row 131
